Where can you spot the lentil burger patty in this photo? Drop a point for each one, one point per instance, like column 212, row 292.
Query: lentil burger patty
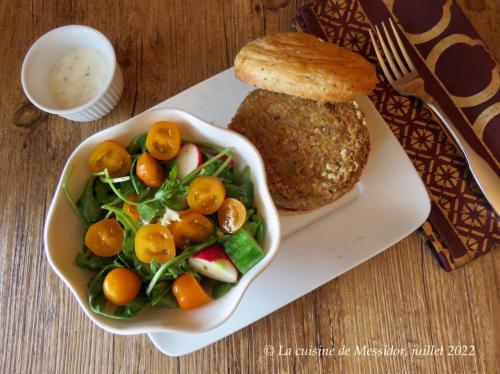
column 313, row 152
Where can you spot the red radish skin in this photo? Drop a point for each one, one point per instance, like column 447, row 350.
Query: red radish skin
column 212, row 253
column 213, row 262
column 189, row 158
column 224, row 158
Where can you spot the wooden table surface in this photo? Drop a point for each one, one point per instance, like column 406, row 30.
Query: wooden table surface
column 400, row 298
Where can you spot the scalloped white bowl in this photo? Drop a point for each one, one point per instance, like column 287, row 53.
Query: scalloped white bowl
column 63, row 233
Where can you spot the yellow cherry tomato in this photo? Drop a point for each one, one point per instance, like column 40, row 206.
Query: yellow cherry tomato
column 154, row 241
column 192, row 228
column 131, row 210
column 232, row 215
column 112, row 156
column 206, row 195
column 149, row 170
column 105, row 238
column 163, row 140
column 189, row 293
column 121, row 286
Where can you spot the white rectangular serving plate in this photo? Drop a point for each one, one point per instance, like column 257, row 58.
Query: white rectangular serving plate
column 389, row 203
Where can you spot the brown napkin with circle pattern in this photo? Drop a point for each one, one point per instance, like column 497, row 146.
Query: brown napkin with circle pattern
column 463, row 77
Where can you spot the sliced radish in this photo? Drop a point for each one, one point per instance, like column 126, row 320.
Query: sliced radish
column 189, row 158
column 213, row 262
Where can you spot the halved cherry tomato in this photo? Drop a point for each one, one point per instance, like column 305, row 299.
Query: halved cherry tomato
column 121, row 286
column 192, row 228
column 105, row 238
column 206, row 195
column 131, row 210
column 163, row 140
column 232, row 215
column 149, row 170
column 154, row 241
column 189, row 293
column 112, row 156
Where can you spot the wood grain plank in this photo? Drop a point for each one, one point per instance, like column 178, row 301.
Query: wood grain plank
column 401, row 297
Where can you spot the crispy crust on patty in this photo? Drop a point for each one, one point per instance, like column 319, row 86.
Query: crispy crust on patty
column 313, row 153
column 303, row 65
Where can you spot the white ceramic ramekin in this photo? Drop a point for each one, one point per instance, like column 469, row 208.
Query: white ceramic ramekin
column 48, row 50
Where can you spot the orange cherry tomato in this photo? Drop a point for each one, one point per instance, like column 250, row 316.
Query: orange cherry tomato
column 112, row 156
column 232, row 215
column 131, row 210
column 189, row 293
column 206, row 195
column 105, row 238
column 149, row 170
column 163, row 140
column 121, row 286
column 154, row 241
column 192, row 228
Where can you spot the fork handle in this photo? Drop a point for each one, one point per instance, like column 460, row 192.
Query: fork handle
column 486, row 178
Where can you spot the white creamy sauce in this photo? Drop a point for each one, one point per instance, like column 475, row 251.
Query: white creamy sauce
column 77, row 77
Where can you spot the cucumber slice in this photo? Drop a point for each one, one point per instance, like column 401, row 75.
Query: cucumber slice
column 243, row 250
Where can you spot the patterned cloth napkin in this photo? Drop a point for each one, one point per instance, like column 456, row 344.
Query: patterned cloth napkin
column 463, row 77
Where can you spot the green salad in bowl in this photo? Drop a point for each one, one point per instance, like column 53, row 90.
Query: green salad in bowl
column 167, row 222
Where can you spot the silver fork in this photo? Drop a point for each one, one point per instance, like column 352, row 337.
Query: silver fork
column 407, row 81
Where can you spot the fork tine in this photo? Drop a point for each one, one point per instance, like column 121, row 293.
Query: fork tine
column 387, row 54
column 402, row 47
column 394, row 50
column 380, row 58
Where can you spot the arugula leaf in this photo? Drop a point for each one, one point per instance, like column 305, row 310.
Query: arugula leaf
column 260, row 234
column 139, row 187
column 131, row 309
column 162, row 295
column 126, row 188
column 251, row 227
column 69, row 198
column 159, row 291
column 172, row 186
column 127, row 222
column 242, row 188
column 220, row 289
column 122, row 193
column 210, row 169
column 218, row 168
column 178, row 268
column 153, row 266
column 254, row 225
column 220, row 235
column 86, row 259
column 89, row 206
column 128, row 250
column 138, row 144
column 149, row 210
column 177, row 202
column 169, row 300
column 168, row 195
column 216, row 288
column 103, row 193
